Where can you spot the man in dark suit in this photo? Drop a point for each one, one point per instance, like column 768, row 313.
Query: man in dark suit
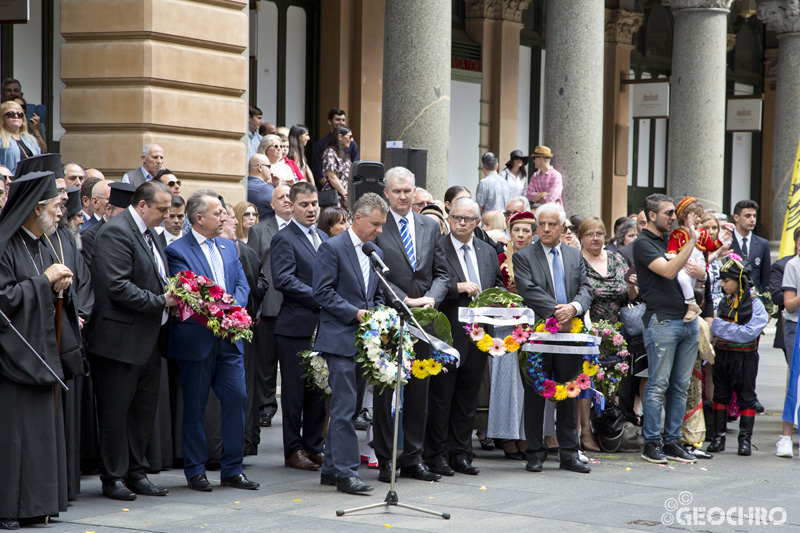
column 751, row 247
column 127, row 337
column 206, row 361
column 776, row 290
column 292, row 260
column 552, row 280
column 260, row 239
column 453, row 397
column 346, row 288
column 119, row 195
column 418, row 275
column 152, row 161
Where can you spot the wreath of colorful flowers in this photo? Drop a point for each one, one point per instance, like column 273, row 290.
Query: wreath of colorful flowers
column 496, row 346
column 613, row 356
column 530, row 364
column 376, row 343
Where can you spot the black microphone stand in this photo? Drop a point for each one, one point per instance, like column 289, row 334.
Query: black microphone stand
column 7, row 322
column 404, row 313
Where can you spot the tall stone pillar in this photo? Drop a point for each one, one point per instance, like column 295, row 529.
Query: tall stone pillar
column 416, row 82
column 696, row 149
column 170, row 72
column 496, row 25
column 768, row 140
column 620, row 27
column 783, row 18
column 573, row 100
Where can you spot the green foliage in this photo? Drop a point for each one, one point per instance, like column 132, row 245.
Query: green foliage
column 441, row 326
column 495, row 297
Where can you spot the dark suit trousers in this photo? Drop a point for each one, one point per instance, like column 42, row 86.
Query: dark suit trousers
column 342, row 456
column 252, row 429
column 452, row 405
column 415, row 409
column 303, row 409
column 127, row 398
column 267, row 365
column 222, row 370
column 564, row 368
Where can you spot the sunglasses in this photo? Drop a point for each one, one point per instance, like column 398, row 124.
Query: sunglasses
column 15, row 114
column 173, row 183
column 568, row 229
column 670, row 212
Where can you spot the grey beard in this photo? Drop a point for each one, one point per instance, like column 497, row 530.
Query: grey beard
column 77, row 235
column 47, row 223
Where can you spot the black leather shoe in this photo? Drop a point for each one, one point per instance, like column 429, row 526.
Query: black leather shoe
column 534, row 465
column 385, row 473
column 419, row 471
column 265, row 420
column 327, row 479
column 116, row 490
column 464, row 467
column 442, row 468
column 9, row 524
column 353, row 485
column 239, row 481
column 200, row 483
column 514, row 456
column 759, row 408
column 575, row 466
column 146, row 488
column 744, row 447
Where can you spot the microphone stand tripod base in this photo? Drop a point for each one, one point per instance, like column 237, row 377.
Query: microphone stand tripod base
column 391, row 496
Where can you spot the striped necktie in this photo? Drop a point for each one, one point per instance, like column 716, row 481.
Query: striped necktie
column 364, row 268
column 216, row 263
column 408, row 243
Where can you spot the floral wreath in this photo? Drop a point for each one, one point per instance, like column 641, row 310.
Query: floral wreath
column 376, row 343
column 496, row 346
column 531, row 366
column 613, row 358
column 316, row 371
column 209, row 304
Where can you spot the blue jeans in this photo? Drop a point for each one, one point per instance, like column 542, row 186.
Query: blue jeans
column 671, row 352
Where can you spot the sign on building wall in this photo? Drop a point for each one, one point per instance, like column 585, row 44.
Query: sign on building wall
column 650, row 100
column 15, row 11
column 744, row 114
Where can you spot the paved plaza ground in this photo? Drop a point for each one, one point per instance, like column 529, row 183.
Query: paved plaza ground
column 622, row 493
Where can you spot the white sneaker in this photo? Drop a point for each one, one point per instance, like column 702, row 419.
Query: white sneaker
column 784, row 446
column 582, row 458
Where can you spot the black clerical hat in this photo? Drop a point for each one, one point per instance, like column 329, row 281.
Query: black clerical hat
column 23, row 195
column 73, row 202
column 120, row 195
column 40, row 163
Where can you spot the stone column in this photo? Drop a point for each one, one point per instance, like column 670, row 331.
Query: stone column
column 696, row 142
column 783, row 17
column 768, row 139
column 495, row 25
column 416, row 76
column 620, row 27
column 171, row 72
column 573, row 100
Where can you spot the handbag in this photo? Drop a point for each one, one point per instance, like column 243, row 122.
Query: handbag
column 614, row 433
column 631, row 317
column 328, row 198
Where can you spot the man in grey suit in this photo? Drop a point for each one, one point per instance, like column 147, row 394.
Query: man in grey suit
column 453, row 397
column 346, row 288
column 552, row 280
column 152, row 161
column 412, row 246
column 259, row 239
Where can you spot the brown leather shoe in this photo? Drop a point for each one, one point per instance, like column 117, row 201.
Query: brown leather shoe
column 317, row 459
column 300, row 460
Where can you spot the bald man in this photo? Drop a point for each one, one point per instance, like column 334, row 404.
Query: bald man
column 260, row 185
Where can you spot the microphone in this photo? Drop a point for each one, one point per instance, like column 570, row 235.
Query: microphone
column 370, row 251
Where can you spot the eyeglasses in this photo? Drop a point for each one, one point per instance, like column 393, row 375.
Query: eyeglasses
column 15, row 114
column 510, row 213
column 173, row 183
column 420, row 204
column 595, row 235
column 248, row 214
column 670, row 212
column 467, row 220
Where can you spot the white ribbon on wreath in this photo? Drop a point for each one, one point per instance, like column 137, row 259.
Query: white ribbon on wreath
column 496, row 316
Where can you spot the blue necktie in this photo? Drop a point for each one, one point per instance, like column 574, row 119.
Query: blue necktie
column 558, row 278
column 216, row 264
column 365, row 269
column 471, row 274
column 408, row 243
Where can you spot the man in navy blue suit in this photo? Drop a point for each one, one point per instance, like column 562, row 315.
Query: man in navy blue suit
column 294, row 249
column 206, row 361
column 346, row 287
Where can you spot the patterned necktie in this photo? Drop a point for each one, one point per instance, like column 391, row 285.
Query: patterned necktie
column 471, row 274
column 744, row 248
column 408, row 243
column 314, row 237
column 558, row 278
column 216, row 263
column 149, row 238
column 365, row 269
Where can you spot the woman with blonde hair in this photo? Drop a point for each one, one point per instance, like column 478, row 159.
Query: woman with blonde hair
column 16, row 143
column 246, row 215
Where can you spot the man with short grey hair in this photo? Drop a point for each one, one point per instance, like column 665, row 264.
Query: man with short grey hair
column 421, row 199
column 493, row 191
column 152, row 161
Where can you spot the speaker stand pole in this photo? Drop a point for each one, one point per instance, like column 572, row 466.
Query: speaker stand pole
column 391, row 496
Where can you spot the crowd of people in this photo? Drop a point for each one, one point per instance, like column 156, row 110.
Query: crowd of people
column 84, row 270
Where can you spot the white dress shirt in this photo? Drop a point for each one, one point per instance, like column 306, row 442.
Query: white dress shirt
column 739, row 238
column 360, row 255
column 306, row 231
column 578, row 307
column 203, row 246
column 458, row 245
column 162, row 268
